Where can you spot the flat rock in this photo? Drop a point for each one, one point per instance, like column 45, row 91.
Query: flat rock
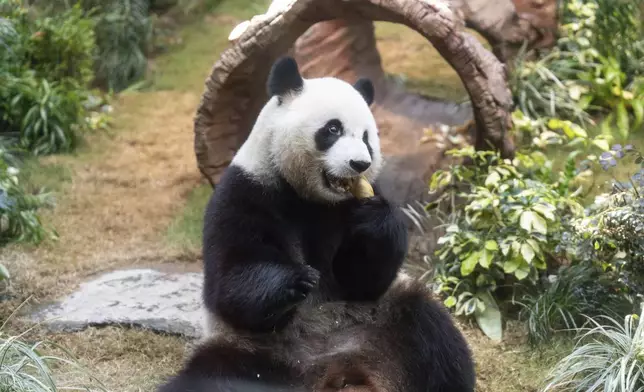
column 167, row 302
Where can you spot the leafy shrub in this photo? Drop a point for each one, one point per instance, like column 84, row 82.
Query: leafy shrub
column 122, row 34
column 10, row 45
column 47, row 115
column 43, row 83
column 61, row 47
column 612, row 231
column 514, row 216
column 19, row 218
column 618, row 33
column 608, row 357
column 594, row 70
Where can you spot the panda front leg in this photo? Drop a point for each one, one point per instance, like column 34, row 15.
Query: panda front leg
column 258, row 296
column 372, row 251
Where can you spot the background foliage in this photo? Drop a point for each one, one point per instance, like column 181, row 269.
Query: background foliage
column 555, row 237
column 527, row 221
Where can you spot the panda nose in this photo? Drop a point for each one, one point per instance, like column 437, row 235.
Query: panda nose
column 359, row 166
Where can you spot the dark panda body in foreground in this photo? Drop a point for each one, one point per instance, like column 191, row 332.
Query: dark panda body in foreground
column 301, row 274
column 406, row 342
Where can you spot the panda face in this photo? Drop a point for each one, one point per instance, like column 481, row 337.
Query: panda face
column 325, row 137
column 318, row 134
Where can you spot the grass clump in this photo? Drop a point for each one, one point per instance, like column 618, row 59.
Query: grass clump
column 40, row 366
column 559, row 303
column 608, row 357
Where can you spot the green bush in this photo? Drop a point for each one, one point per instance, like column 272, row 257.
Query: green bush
column 515, row 214
column 43, row 82
column 61, row 47
column 47, row 115
column 123, row 31
column 611, row 233
column 594, row 72
column 19, row 218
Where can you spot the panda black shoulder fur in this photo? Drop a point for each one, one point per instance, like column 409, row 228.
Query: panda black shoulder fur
column 278, row 225
column 286, row 250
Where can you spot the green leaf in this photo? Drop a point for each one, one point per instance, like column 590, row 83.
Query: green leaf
column 440, row 179
column 539, row 225
column 505, row 248
column 492, row 179
column 534, row 244
column 510, row 266
column 602, row 144
column 468, row 265
column 554, row 124
column 527, row 252
column 450, row 301
column 486, row 259
column 4, row 273
column 545, row 210
column 638, row 111
column 526, row 220
column 489, row 320
column 491, row 245
column 623, row 125
column 522, row 273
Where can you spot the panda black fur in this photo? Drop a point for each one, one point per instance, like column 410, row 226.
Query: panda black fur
column 404, row 343
column 302, row 272
column 276, row 229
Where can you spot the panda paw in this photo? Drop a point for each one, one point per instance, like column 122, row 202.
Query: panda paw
column 302, row 283
column 372, row 214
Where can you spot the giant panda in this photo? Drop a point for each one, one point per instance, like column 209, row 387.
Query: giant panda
column 280, row 223
column 302, row 274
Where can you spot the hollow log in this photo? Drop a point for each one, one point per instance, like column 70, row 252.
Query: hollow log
column 235, row 89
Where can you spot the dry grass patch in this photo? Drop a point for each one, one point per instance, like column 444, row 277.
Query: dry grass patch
column 123, row 192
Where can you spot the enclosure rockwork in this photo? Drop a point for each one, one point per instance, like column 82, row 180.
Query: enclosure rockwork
column 336, row 38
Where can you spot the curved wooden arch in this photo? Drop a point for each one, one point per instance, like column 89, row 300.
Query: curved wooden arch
column 235, row 89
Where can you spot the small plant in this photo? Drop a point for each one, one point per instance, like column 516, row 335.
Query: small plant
column 562, row 300
column 608, row 357
column 19, row 218
column 47, row 115
column 36, row 366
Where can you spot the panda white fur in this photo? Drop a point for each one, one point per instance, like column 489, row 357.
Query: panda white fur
column 302, row 272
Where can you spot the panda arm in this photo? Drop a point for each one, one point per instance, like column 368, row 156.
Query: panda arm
column 250, row 281
column 373, row 249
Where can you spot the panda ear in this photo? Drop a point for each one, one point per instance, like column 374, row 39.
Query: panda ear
column 284, row 78
column 365, row 88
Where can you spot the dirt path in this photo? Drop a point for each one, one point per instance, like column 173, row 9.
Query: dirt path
column 124, row 190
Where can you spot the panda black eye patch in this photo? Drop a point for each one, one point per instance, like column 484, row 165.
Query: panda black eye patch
column 365, row 139
column 326, row 136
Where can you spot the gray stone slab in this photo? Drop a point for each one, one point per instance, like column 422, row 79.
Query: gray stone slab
column 147, row 298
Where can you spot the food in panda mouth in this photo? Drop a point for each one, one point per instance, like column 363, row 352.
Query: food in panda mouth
column 361, row 188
